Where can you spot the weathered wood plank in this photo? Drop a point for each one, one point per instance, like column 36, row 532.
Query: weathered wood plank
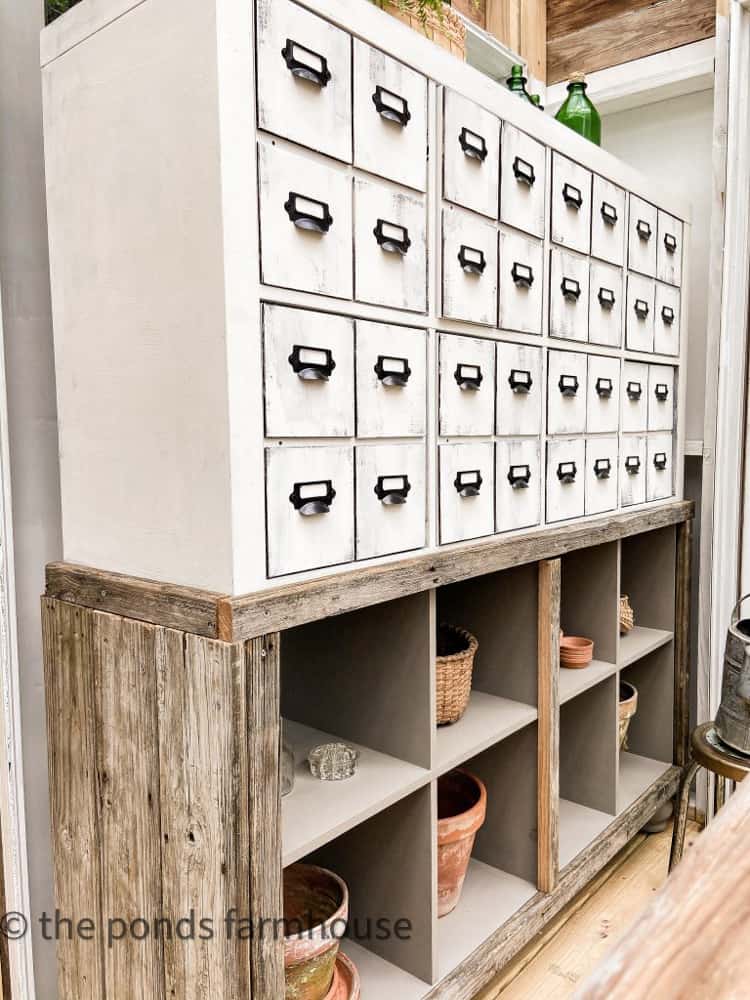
column 503, row 20
column 548, row 727
column 71, row 738
column 564, row 16
column 683, row 588
column 533, row 37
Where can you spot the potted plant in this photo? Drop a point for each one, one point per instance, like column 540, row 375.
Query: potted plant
column 434, row 19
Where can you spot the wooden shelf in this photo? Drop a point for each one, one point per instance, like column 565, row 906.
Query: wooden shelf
column 381, row 980
column 487, row 720
column 573, row 682
column 636, row 775
column 579, row 826
column 640, row 642
column 317, row 811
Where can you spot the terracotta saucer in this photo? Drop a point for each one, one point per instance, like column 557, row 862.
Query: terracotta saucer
column 576, row 651
column 345, row 984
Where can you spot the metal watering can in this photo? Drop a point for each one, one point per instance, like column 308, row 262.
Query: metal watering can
column 733, row 718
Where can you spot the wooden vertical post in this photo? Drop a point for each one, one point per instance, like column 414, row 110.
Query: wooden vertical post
column 504, row 21
column 533, row 37
column 682, row 643
column 548, row 751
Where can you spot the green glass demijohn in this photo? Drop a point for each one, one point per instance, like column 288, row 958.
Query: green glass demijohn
column 516, row 83
column 578, row 113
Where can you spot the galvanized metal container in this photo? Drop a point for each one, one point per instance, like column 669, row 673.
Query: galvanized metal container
column 733, row 718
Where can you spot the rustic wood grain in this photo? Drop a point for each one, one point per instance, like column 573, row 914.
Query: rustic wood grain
column 629, row 34
column 533, row 37
column 548, row 728
column 683, row 589
column 503, row 20
column 475, row 10
column 71, row 738
column 565, row 16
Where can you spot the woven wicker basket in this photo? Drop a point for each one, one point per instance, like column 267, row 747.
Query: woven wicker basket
column 448, row 31
column 455, row 664
column 627, row 616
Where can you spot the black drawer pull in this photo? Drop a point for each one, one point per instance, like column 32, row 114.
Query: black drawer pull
column 473, row 145
column 468, row 377
column 634, row 390
column 314, row 497
column 306, row 64
column 667, row 315
column 609, row 213
column 392, row 490
column 522, row 274
column 643, row 229
column 472, row 260
column 468, row 484
column 520, row 380
column 392, row 238
column 604, row 387
column 524, row 171
column 568, row 385
column 312, row 364
column 567, row 471
column 519, row 476
column 632, row 465
column 661, row 392
column 391, row 107
column 606, row 298
column 602, row 468
column 641, row 308
column 572, row 196
column 670, row 242
column 660, row 460
column 571, row 289
column 308, row 213
column 392, row 371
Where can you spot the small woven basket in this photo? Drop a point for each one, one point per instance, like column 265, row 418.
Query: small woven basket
column 455, row 664
column 627, row 616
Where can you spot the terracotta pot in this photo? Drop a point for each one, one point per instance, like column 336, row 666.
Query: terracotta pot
column 316, row 909
column 576, row 651
column 627, row 709
column 462, row 807
column 345, row 984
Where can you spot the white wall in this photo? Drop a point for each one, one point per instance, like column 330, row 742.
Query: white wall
column 671, row 142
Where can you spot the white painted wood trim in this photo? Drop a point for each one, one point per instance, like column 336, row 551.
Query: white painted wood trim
column 80, row 23
column 694, row 448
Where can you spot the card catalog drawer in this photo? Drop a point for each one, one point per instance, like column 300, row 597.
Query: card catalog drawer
column 567, row 381
column 467, row 385
column 518, row 484
column 603, row 413
column 669, row 249
column 634, row 396
column 391, row 381
column 571, row 204
column 639, row 322
column 608, row 222
column 642, row 237
column 565, row 479
column 471, row 155
column 523, row 182
column 469, row 268
column 606, row 302
column 661, row 397
column 568, row 296
column 633, row 470
column 467, row 491
column 667, row 320
column 521, row 283
column 519, row 390
column 601, row 474
column 659, row 474
column 391, row 500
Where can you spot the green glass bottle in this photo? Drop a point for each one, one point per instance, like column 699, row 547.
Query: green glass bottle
column 537, row 101
column 578, row 113
column 516, row 83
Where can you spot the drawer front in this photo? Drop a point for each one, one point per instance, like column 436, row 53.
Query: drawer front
column 391, row 499
column 639, row 316
column 608, row 222
column 390, row 118
column 642, row 237
column 521, row 283
column 659, row 472
column 308, row 361
column 469, row 268
column 519, row 390
column 390, row 246
column 603, row 408
column 391, row 381
column 667, row 320
column 571, row 204
column 606, row 304
column 518, row 484
column 669, row 249
column 523, row 183
column 310, row 507
column 467, row 385
column 568, row 296
column 304, row 78
column 305, row 224
column 467, row 491
column 471, row 155
column 633, row 470
column 634, row 396
column 661, row 397
column 601, row 474
column 566, row 478
column 567, row 379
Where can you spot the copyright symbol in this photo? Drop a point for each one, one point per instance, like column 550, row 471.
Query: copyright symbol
column 13, row 926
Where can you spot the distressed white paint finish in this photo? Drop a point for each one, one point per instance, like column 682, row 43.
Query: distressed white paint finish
column 603, row 396
column 608, row 221
column 384, row 525
column 606, row 304
column 470, row 180
column 469, row 268
column 669, row 249
column 520, row 304
column 602, row 467
column 518, row 462
column 383, row 144
column 386, row 355
column 566, row 499
column 467, row 385
column 298, row 404
column 467, row 491
column 642, row 236
column 568, row 296
column 639, row 313
column 634, row 396
column 520, row 390
column 567, row 392
column 633, row 472
column 661, row 410
column 667, row 320
column 523, row 185
column 299, row 541
column 383, row 275
column 659, row 480
column 571, row 204
column 315, row 115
